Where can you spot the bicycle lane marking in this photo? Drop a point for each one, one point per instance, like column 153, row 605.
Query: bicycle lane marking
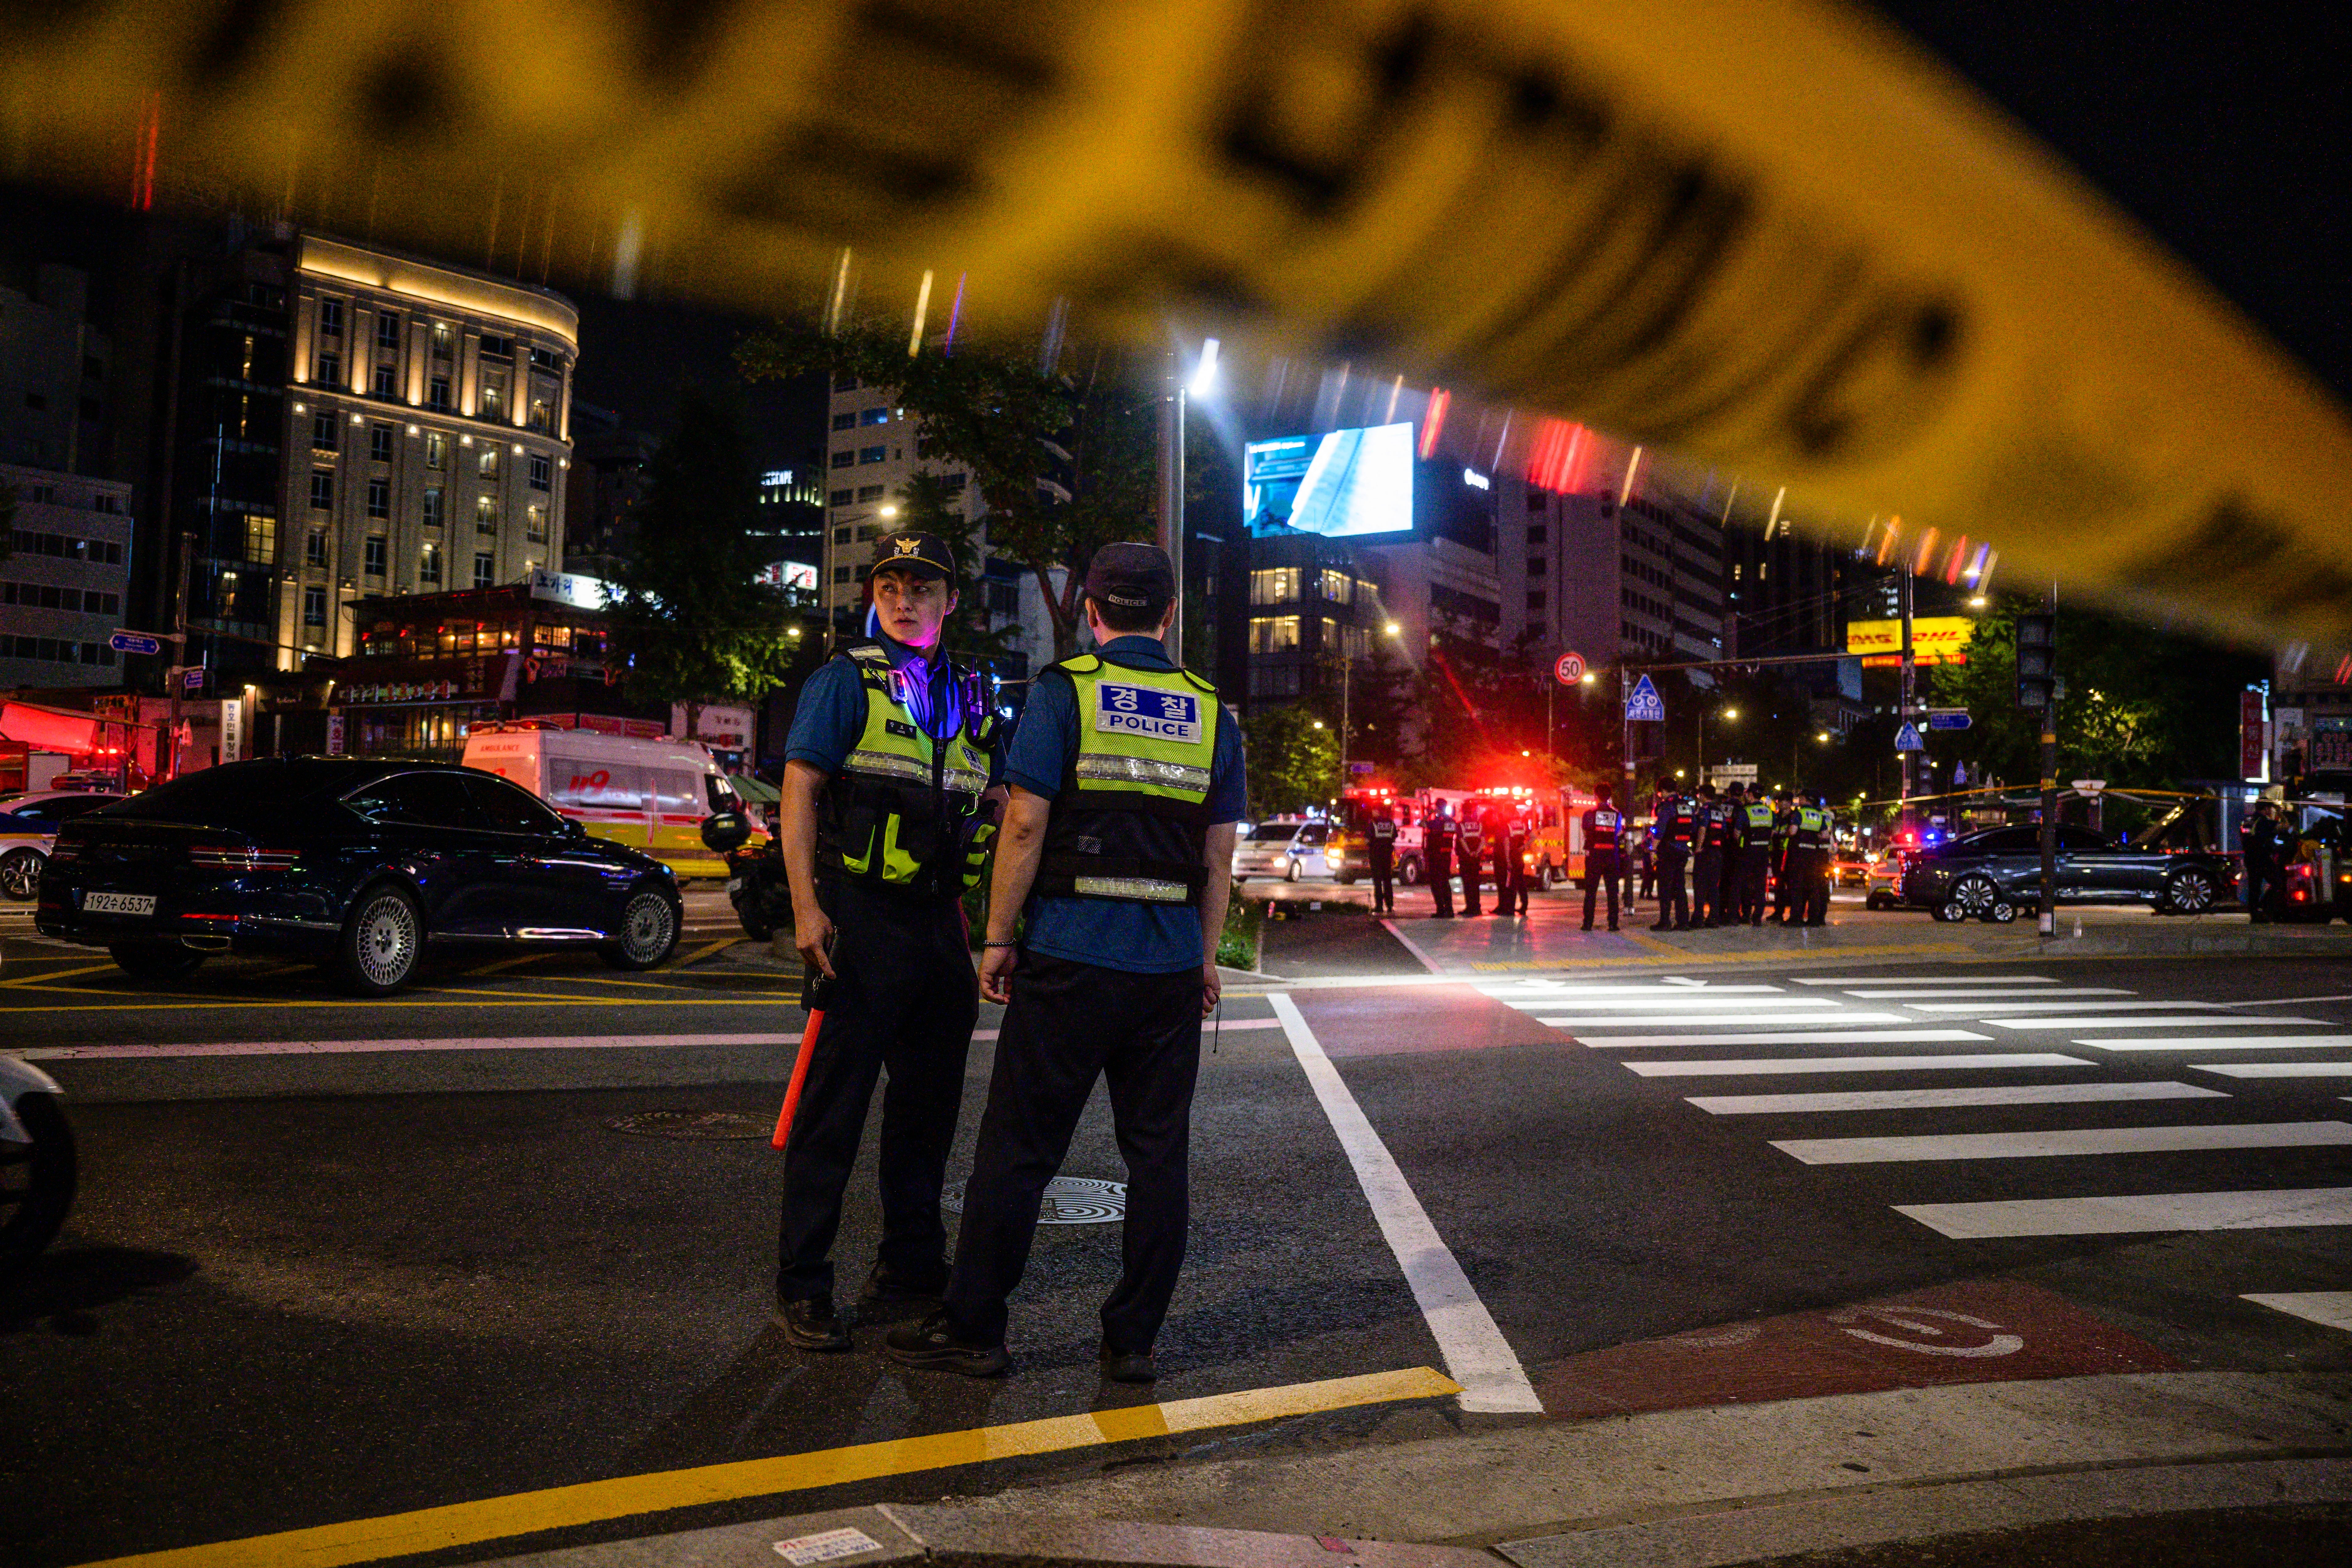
column 1476, row 1353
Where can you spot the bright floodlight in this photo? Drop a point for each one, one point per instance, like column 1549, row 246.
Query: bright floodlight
column 1204, row 375
column 1393, row 629
column 889, row 510
column 1731, row 712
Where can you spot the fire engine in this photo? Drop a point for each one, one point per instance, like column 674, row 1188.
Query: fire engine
column 1555, row 851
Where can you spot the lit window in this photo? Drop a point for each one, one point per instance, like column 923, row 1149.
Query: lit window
column 428, row 564
column 1275, row 633
column 260, row 538
column 437, row 450
column 1274, row 586
column 486, row 514
column 535, row 525
column 874, row 416
column 486, row 464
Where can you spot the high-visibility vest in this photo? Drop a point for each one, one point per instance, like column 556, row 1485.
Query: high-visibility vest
column 1759, row 821
column 903, row 809
column 1812, row 826
column 1131, row 820
column 1603, row 826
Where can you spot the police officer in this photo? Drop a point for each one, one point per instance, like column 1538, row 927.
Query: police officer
column 1755, row 856
column 1814, row 841
column 1470, row 851
column 1507, row 831
column 1674, row 824
column 1784, row 861
column 1381, row 835
column 1706, row 865
column 885, row 769
column 1126, row 779
column 1439, row 832
column 2265, row 852
column 1604, row 842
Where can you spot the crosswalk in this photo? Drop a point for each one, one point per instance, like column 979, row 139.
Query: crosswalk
column 1948, row 1034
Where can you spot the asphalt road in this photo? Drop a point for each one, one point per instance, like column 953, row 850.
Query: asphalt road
column 333, row 1261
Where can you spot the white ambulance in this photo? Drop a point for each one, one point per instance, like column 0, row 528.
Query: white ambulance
column 652, row 796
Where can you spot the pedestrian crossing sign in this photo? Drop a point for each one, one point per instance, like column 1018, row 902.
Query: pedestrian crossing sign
column 1645, row 706
column 1907, row 739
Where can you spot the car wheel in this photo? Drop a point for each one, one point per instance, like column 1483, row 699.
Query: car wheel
column 381, row 943
column 754, row 927
column 1291, row 875
column 2189, row 892
column 649, row 927
column 1970, row 896
column 159, row 960
column 1877, row 902
column 2002, row 912
column 1409, row 873
column 1549, row 878
column 20, row 874
column 36, row 1181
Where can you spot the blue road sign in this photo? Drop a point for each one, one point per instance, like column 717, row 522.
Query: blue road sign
column 193, row 679
column 1907, row 739
column 1952, row 720
column 1645, row 706
column 134, row 642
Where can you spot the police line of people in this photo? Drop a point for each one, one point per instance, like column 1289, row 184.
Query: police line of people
column 1463, row 845
column 1716, row 854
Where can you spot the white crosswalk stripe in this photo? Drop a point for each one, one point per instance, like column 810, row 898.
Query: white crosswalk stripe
column 1964, row 1106
column 2332, row 1309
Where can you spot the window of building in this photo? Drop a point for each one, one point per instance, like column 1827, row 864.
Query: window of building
column 378, row 498
column 841, row 573
column 486, row 463
column 840, row 498
column 387, row 381
column 1537, row 563
column 845, row 458
column 331, row 317
column 380, row 444
column 1280, row 681
column 494, row 401
column 874, row 416
column 1274, row 634
column 1339, row 587
column 375, row 554
column 441, row 340
column 1539, row 533
column 436, row 393
column 485, row 571
column 433, row 503
column 543, row 471
column 314, row 606
column 428, row 563
column 260, row 538
column 486, row 514
column 314, row 548
column 544, row 359
column 324, row 432
column 1535, row 599
column 535, row 525
column 873, row 454
column 841, row 536
column 437, row 450
column 845, row 420
column 1274, row 586
column 868, row 493
column 323, row 489
column 543, row 418
column 495, row 346
column 845, row 383
column 387, row 330
column 868, row 530
column 331, row 368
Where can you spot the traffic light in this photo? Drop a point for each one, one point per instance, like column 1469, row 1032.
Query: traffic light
column 2037, row 661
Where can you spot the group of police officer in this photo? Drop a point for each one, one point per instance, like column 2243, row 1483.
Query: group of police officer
column 1117, row 795
column 1730, row 847
column 1449, row 844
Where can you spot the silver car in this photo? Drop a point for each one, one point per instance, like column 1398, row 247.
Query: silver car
column 1287, row 848
column 28, row 826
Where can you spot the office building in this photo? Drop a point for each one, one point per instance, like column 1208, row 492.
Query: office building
column 54, row 367
column 64, row 581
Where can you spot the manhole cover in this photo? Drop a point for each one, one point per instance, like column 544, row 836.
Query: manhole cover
column 709, row 1124
column 1069, row 1200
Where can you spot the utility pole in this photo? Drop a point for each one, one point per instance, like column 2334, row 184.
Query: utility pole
column 1172, row 492
column 174, row 676
column 1625, row 727
column 2050, row 783
column 1910, row 677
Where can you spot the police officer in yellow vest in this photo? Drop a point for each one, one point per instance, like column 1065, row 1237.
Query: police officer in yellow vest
column 1126, row 778
column 882, row 827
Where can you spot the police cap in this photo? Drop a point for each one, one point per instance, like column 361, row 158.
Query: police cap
column 923, row 554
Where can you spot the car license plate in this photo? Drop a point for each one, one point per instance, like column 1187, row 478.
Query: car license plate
column 118, row 903
column 734, row 884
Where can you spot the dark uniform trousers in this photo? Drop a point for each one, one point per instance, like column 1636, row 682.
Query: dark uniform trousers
column 904, row 1000
column 1673, row 899
column 1383, row 876
column 1474, row 865
column 1814, row 883
column 1439, row 869
column 1706, row 889
column 1602, row 868
column 1067, row 1024
column 1510, row 881
column 1755, row 868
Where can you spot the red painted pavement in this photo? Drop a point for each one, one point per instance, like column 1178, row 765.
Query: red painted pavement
column 1989, row 1330
column 1417, row 1018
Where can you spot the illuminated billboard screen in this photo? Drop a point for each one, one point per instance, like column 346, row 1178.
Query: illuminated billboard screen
column 1345, row 485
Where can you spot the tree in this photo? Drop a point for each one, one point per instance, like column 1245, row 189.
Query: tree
column 1065, row 464
column 687, row 613
column 1293, row 761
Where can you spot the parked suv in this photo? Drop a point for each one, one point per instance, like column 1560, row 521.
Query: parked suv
column 356, row 863
column 1997, row 874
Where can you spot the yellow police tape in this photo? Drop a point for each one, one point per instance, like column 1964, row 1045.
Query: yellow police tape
column 1769, row 234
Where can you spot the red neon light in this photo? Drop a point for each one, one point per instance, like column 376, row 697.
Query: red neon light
column 1434, row 423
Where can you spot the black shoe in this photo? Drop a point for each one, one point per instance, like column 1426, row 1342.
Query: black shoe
column 811, row 1324
column 1127, row 1366
column 1683, row 925
column 1662, row 925
column 1612, row 927
column 935, row 1346
column 888, row 1296
column 1588, row 927
column 1442, row 915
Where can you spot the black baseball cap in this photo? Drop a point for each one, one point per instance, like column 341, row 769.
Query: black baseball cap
column 924, row 554
column 1134, row 577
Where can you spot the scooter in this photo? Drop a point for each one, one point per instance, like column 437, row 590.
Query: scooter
column 36, row 1162
column 757, row 887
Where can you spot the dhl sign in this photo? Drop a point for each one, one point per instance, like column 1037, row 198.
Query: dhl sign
column 1934, row 639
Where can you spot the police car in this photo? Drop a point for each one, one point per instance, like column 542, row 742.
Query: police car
column 1285, row 847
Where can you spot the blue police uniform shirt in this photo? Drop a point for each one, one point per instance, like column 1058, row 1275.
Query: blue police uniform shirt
column 1141, row 939
column 831, row 714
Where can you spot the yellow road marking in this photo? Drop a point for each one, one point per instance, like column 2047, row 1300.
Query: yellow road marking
column 510, row 962
column 700, row 953
column 559, row 1508
column 472, row 999
column 57, row 974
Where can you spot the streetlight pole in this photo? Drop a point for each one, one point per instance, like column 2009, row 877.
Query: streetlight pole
column 1170, row 527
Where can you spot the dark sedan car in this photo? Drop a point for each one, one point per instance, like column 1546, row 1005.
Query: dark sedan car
column 354, row 863
column 1997, row 874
